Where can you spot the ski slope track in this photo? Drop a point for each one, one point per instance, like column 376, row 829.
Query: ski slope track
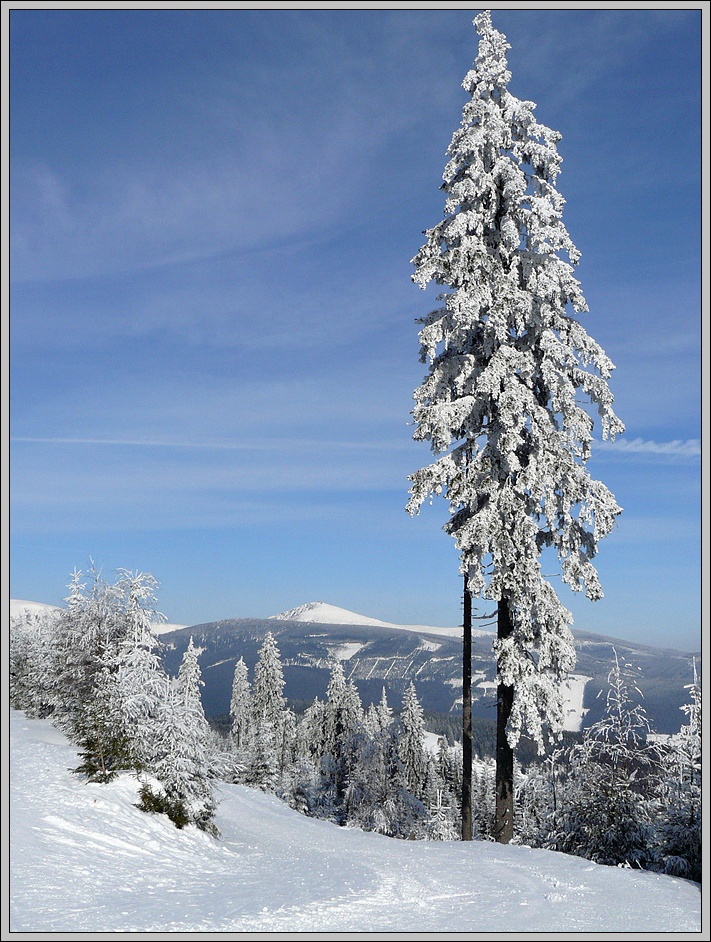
column 85, row 859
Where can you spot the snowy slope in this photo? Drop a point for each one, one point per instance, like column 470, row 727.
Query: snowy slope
column 573, row 690
column 17, row 606
column 322, row 613
column 84, row 859
column 162, row 628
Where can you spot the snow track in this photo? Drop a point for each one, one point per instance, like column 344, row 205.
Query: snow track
column 85, row 859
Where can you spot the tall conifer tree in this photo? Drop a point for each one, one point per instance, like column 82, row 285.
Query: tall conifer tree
column 500, row 407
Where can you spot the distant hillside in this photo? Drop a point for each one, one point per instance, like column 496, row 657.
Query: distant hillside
column 375, row 656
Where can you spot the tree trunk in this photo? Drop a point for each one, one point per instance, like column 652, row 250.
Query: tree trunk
column 504, row 816
column 467, row 716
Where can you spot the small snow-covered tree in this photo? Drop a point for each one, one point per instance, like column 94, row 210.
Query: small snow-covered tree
column 180, row 760
column 88, row 645
column 262, row 768
column 311, row 733
column 32, row 664
column 268, row 700
column 500, row 405
column 268, row 708
column 678, row 823
column 607, row 809
column 140, row 679
column 411, row 745
column 240, row 705
column 286, row 744
column 187, row 688
column 89, row 634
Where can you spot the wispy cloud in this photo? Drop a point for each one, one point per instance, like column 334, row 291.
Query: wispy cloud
column 266, row 444
column 266, row 161
column 678, row 448
column 689, row 448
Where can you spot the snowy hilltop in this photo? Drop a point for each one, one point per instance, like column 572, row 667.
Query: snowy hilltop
column 20, row 608
column 85, row 859
column 322, row 613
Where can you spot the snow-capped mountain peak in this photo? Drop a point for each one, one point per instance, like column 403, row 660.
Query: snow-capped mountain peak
column 325, row 614
column 322, row 613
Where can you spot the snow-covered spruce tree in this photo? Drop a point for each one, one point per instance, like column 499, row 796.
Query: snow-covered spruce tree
column 240, row 705
column 180, row 761
column 87, row 635
column 312, row 731
column 286, row 746
column 268, row 706
column 140, row 678
column 188, row 683
column 87, row 648
column 343, row 721
column 411, row 744
column 499, row 406
column 268, row 701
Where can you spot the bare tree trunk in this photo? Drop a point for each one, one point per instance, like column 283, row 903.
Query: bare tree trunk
column 467, row 716
column 504, row 816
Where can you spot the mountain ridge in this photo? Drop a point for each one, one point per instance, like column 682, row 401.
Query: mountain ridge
column 377, row 656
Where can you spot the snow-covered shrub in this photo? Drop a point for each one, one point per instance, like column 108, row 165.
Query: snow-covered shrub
column 32, row 667
column 604, row 795
column 678, row 826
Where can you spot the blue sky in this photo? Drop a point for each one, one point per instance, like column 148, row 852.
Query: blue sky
column 213, row 337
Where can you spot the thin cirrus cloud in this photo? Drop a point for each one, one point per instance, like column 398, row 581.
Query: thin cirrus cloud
column 164, row 210
column 689, row 448
column 248, row 175
column 142, row 222
column 639, row 447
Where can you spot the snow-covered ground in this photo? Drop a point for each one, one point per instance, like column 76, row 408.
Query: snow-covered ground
column 84, row 859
